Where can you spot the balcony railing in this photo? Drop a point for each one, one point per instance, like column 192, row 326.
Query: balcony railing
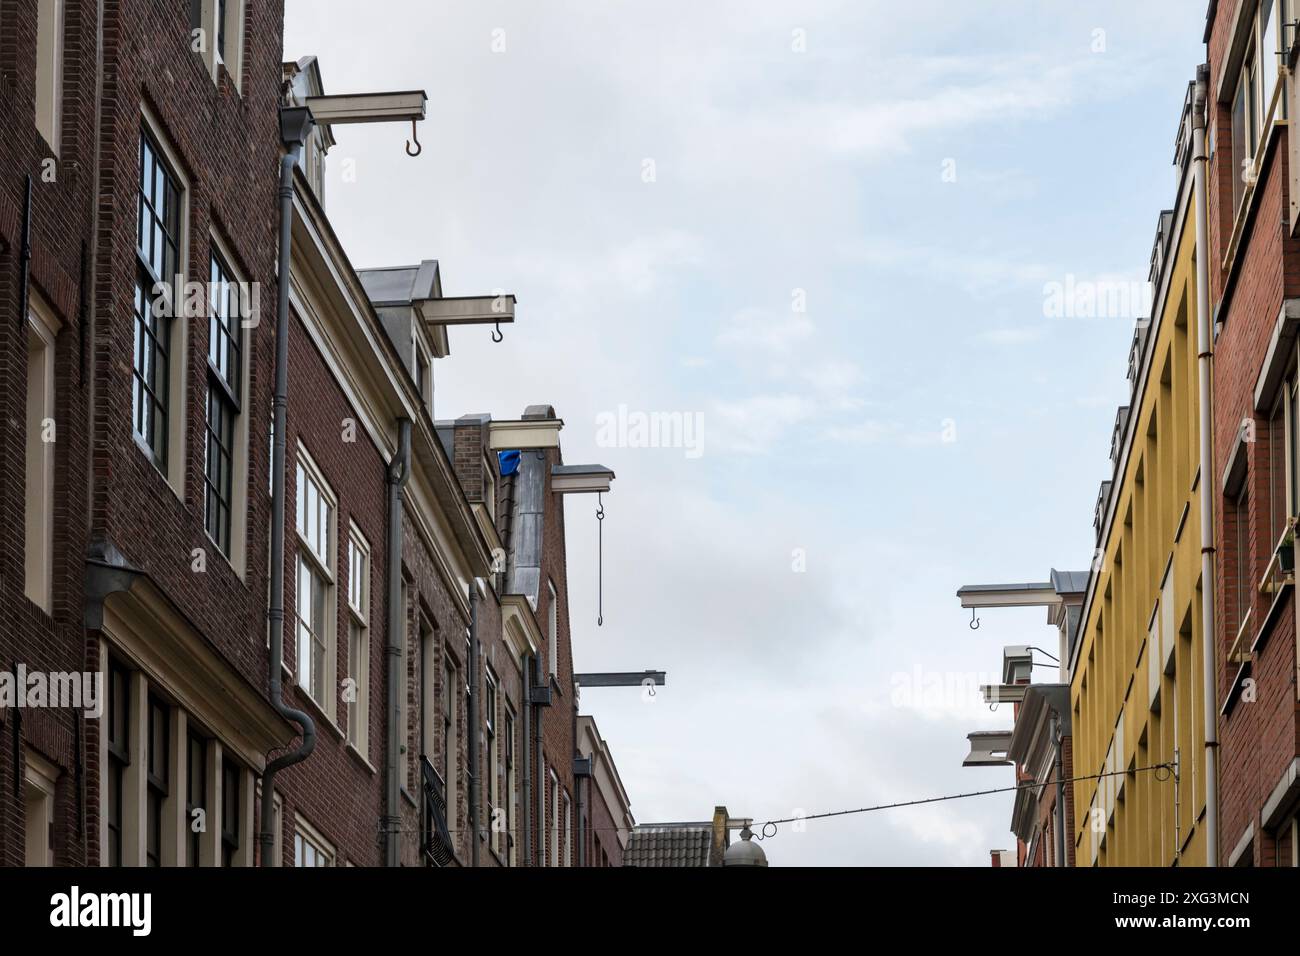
column 435, row 839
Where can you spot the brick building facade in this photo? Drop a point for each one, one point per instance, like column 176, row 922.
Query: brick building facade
column 136, row 495
column 1254, row 278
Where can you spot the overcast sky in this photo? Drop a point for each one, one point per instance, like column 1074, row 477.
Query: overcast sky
column 823, row 230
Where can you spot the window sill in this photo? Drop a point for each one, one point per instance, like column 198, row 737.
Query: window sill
column 1235, row 653
column 153, row 463
column 229, row 561
column 361, row 758
column 319, row 711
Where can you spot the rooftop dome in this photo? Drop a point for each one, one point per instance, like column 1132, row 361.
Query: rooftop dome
column 746, row 852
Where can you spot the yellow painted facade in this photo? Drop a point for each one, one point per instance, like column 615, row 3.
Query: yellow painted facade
column 1136, row 681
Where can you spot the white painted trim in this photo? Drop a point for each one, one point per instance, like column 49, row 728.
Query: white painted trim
column 239, row 479
column 38, row 568
column 525, row 434
column 178, row 331
column 49, row 71
column 147, row 634
column 41, row 778
column 329, row 566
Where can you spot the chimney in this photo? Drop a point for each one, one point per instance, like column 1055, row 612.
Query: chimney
column 721, row 836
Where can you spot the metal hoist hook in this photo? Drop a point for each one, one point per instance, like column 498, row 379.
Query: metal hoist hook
column 600, row 564
column 497, row 336
column 974, row 621
column 416, row 138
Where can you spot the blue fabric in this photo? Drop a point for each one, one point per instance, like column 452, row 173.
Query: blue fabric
column 509, row 462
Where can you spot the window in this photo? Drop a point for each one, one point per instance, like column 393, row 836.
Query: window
column 1277, row 476
column 118, row 714
column 196, row 791
column 450, row 685
column 1292, row 391
column 158, row 228
column 41, row 778
column 310, row 848
column 508, row 728
column 493, row 764
column 552, row 627
column 156, row 786
column 315, row 584
column 429, row 722
column 1245, row 582
column 567, row 836
column 1245, row 130
column 1257, row 83
column 359, row 642
column 230, row 815
column 49, row 70
column 217, row 27
column 38, row 568
column 225, row 373
column 553, row 856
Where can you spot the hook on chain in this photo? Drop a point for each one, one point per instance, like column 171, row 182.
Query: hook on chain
column 497, row 336
column 416, row 138
column 974, row 621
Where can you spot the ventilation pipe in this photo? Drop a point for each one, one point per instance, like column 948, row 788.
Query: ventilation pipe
column 1204, row 353
column 399, row 470
column 295, row 126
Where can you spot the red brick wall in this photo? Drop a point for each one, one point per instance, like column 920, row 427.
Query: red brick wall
column 603, row 848
column 1257, row 739
column 334, row 789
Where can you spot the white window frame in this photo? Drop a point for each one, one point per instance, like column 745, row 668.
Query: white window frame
column 238, row 556
column 325, row 565
column 49, row 71
column 492, row 740
column 234, row 25
column 307, row 837
column 450, row 720
column 553, row 857
column 510, row 722
column 38, row 566
column 40, row 777
column 1260, row 67
column 178, row 330
column 358, row 602
column 568, row 830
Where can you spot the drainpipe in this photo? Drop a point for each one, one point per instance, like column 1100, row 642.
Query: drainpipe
column 526, row 798
column 395, row 651
column 1203, row 365
column 577, row 783
column 541, row 767
column 475, row 784
column 1060, row 791
column 295, row 126
column 88, row 381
